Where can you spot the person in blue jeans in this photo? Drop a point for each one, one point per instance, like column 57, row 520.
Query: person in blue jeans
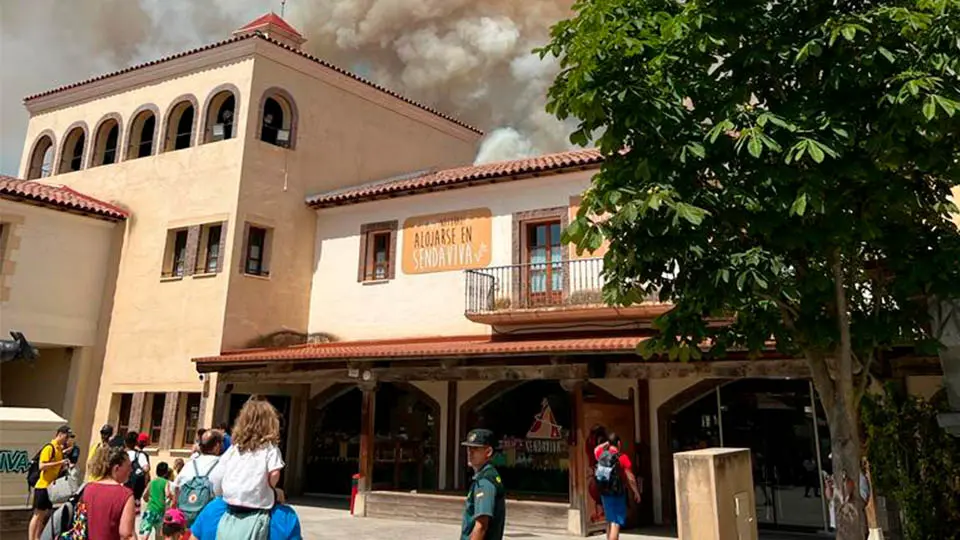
column 615, row 504
column 284, row 522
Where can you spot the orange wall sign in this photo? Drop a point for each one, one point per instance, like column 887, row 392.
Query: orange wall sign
column 601, row 251
column 449, row 241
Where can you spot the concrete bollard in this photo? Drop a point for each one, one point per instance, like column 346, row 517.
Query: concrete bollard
column 715, row 497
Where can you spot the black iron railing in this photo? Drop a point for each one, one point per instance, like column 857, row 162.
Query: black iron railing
column 568, row 283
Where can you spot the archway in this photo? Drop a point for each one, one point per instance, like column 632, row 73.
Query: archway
column 41, row 158
column 782, row 424
column 74, row 146
column 406, row 442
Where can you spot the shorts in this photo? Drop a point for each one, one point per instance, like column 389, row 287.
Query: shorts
column 150, row 520
column 615, row 508
column 41, row 499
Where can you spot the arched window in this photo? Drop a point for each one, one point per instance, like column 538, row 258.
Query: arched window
column 180, row 126
column 71, row 156
column 221, row 117
column 143, row 129
column 106, row 142
column 278, row 119
column 41, row 159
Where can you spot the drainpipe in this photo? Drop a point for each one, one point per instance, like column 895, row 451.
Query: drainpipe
column 946, row 323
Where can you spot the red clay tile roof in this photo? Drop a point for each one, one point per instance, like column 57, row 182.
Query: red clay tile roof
column 459, row 177
column 450, row 347
column 242, row 37
column 58, row 198
column 267, row 20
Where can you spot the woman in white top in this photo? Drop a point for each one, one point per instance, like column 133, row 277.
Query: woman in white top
column 248, row 472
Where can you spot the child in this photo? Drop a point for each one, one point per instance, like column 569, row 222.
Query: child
column 177, row 467
column 174, row 525
column 156, row 501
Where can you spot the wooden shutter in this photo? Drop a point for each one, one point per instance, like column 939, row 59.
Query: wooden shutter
column 168, row 425
column 223, row 247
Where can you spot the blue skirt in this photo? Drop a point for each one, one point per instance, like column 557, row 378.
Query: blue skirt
column 615, row 508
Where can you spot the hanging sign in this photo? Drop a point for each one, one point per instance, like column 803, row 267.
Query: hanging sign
column 445, row 242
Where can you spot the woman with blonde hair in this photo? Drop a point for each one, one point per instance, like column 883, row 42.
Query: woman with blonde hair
column 108, row 502
column 249, row 471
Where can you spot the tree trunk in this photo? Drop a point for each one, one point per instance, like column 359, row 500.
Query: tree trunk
column 844, row 419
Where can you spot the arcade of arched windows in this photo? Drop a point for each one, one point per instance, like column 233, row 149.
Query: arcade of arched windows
column 184, row 124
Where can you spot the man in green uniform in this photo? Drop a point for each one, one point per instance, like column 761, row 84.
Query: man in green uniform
column 485, row 512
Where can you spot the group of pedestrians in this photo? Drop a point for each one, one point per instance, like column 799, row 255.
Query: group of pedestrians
column 228, row 489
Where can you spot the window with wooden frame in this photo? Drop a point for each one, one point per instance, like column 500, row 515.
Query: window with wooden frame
column 256, row 250
column 191, row 418
column 155, row 416
column 210, row 248
column 175, row 255
column 540, row 257
column 378, row 251
column 123, row 416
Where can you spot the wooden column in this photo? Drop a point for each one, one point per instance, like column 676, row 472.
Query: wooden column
column 453, row 438
column 204, row 401
column 578, row 464
column 168, row 425
column 368, row 409
column 136, row 411
column 645, row 451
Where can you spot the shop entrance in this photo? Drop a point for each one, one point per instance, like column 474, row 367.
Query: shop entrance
column 406, row 443
column 782, row 424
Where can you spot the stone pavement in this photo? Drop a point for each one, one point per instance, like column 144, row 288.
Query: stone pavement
column 322, row 523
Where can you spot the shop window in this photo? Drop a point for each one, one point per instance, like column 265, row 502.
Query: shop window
column 123, row 417
column 71, row 156
column 278, row 119
column 41, row 159
column 154, row 416
column 179, row 133
column 378, row 248
column 105, row 143
column 221, row 112
column 175, row 254
column 532, row 424
column 142, row 132
column 190, row 414
column 210, row 249
column 256, row 259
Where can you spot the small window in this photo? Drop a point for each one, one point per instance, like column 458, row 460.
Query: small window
column 142, row 131
column 175, row 257
column 191, row 419
column 210, row 249
column 255, row 261
column 378, row 243
column 105, row 143
column 180, row 127
column 71, row 158
column 123, row 417
column 220, row 117
column 156, row 417
column 277, row 121
column 41, row 160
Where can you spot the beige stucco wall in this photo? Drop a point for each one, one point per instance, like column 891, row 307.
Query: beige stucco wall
column 54, row 275
column 661, row 390
column 423, row 304
column 924, row 386
column 41, row 383
column 345, row 135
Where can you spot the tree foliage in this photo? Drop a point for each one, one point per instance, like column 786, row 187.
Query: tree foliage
column 915, row 462
column 784, row 166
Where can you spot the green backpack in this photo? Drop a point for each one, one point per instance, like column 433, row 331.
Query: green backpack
column 196, row 493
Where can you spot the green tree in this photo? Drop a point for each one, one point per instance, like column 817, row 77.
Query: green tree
column 781, row 165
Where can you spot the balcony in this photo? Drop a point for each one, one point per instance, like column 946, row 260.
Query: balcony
column 541, row 293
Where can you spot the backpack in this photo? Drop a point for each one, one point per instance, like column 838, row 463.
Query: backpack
column 69, row 519
column 138, row 476
column 196, row 493
column 608, row 474
column 33, row 472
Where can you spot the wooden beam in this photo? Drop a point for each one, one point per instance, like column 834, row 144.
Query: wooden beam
column 452, row 437
column 916, row 365
column 368, row 411
column 724, row 369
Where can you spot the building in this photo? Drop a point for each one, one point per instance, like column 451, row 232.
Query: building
column 298, row 232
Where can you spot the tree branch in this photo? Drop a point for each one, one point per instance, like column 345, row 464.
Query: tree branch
column 864, row 381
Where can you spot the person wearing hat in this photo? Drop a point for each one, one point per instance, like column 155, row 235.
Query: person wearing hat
column 485, row 512
column 103, row 442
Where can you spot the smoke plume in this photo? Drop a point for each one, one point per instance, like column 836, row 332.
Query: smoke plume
column 471, row 59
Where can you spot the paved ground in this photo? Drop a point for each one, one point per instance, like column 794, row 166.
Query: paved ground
column 335, row 524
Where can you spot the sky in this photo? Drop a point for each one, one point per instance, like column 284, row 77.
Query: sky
column 470, row 59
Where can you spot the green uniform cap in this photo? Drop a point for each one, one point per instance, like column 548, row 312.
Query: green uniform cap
column 479, row 437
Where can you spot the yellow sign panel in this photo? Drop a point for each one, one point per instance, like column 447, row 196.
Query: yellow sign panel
column 444, row 242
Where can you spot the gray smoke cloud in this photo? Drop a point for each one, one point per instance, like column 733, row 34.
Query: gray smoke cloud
column 471, row 59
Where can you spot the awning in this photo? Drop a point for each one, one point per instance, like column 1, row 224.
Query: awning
column 428, row 348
